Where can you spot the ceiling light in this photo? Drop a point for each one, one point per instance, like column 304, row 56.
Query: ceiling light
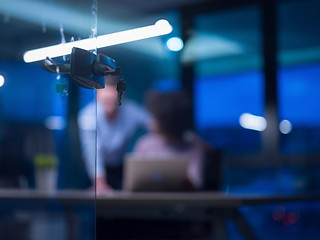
column 161, row 27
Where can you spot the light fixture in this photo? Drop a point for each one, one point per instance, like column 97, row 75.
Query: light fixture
column 175, row 44
column 253, row 122
column 160, row 28
column 1, row 80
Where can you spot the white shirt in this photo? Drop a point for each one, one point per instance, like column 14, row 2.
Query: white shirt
column 113, row 137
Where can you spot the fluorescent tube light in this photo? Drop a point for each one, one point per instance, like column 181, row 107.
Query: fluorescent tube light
column 161, row 27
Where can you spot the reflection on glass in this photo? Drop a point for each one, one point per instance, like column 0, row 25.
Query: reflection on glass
column 44, row 187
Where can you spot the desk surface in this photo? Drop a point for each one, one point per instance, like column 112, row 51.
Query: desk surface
column 213, row 207
column 209, row 199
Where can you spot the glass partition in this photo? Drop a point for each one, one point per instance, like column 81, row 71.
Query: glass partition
column 230, row 83
column 298, row 79
column 67, row 155
column 46, row 191
column 229, row 93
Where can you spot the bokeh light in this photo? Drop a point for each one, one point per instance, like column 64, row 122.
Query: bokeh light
column 285, row 127
column 175, row 44
column 1, row 80
column 279, row 213
column 250, row 121
column 292, row 218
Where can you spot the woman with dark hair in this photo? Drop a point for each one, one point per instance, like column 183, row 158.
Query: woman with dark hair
column 171, row 135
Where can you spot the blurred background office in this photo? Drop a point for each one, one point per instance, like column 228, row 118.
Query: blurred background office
column 251, row 67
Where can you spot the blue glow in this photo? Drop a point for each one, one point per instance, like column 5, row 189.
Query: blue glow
column 175, row 44
column 167, row 84
column 29, row 95
column 221, row 100
column 299, row 98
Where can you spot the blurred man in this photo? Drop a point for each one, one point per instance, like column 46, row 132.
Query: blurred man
column 115, row 128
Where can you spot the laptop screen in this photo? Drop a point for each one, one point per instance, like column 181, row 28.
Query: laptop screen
column 153, row 173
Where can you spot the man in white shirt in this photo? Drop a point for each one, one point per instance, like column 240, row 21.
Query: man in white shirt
column 115, row 128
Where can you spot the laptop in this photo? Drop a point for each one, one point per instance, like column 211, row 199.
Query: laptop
column 146, row 173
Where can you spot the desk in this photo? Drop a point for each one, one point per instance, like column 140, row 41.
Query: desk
column 211, row 206
column 63, row 212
